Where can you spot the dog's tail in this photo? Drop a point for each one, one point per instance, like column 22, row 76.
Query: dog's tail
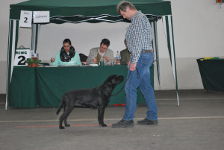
column 60, row 107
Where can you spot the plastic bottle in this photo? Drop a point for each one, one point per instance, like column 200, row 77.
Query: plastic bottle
column 117, row 58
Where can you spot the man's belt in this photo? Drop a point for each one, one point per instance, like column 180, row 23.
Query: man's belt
column 147, row 51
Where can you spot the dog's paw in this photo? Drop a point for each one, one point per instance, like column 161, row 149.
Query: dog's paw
column 61, row 127
column 67, row 125
column 103, row 125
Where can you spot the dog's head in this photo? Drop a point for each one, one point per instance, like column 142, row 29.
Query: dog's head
column 110, row 83
column 115, row 79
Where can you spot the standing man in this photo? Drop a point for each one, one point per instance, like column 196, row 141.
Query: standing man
column 139, row 43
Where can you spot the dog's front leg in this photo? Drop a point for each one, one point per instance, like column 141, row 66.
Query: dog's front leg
column 101, row 110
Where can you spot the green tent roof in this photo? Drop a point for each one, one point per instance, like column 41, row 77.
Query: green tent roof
column 86, row 8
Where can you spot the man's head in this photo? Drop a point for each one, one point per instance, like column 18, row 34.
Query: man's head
column 126, row 9
column 67, row 44
column 105, row 43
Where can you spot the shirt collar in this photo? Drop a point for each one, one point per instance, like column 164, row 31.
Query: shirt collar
column 135, row 16
column 100, row 52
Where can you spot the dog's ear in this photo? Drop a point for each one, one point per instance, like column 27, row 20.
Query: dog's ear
column 121, row 77
column 111, row 77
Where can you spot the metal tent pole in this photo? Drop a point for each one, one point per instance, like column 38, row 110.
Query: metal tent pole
column 168, row 23
column 34, row 37
column 156, row 49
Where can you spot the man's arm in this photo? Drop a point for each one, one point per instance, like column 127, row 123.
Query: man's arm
column 109, row 56
column 91, row 56
column 136, row 41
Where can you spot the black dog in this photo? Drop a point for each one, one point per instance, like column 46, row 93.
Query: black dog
column 89, row 98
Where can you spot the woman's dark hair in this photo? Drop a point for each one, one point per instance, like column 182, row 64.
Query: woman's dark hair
column 105, row 42
column 67, row 41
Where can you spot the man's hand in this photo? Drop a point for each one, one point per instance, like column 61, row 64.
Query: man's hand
column 94, row 60
column 106, row 58
column 132, row 67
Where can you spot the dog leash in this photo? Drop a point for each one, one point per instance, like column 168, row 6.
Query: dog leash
column 138, row 76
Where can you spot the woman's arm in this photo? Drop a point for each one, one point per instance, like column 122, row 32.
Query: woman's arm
column 57, row 60
column 77, row 59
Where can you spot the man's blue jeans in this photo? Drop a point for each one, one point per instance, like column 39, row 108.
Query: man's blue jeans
column 140, row 78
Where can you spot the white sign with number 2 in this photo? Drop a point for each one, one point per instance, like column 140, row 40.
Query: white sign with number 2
column 21, row 57
column 25, row 19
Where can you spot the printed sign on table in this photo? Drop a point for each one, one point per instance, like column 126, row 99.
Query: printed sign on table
column 21, row 56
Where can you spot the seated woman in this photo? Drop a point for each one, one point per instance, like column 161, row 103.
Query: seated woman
column 67, row 55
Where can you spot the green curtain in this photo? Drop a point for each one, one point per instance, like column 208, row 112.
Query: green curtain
column 212, row 73
column 12, row 45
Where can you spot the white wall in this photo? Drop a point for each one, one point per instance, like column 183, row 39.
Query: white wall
column 198, row 30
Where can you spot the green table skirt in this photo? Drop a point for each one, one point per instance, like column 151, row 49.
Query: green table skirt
column 44, row 86
column 212, row 74
column 22, row 88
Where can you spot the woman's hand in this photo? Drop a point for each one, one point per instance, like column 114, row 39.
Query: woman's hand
column 52, row 59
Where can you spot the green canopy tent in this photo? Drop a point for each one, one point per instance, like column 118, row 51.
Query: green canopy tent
column 92, row 11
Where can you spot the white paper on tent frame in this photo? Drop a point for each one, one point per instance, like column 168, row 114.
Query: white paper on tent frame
column 41, row 16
